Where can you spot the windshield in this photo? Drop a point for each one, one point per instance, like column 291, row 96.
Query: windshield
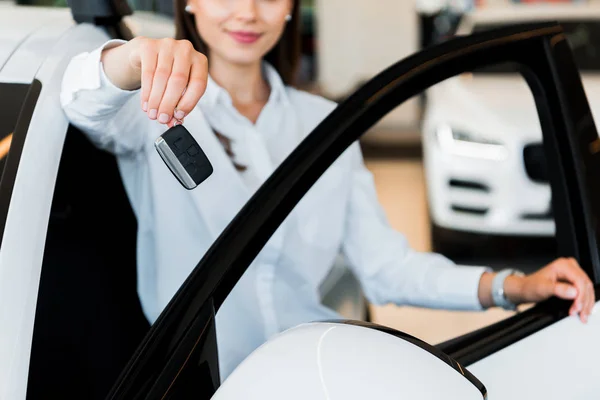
column 583, row 36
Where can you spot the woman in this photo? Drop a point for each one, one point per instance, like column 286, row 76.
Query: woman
column 228, row 77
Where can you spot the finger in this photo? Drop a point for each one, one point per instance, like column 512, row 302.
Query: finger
column 195, row 87
column 565, row 291
column 590, row 300
column 149, row 57
column 584, row 287
column 569, row 271
column 590, row 294
column 173, row 122
column 588, row 291
column 574, row 309
column 175, row 86
column 164, row 67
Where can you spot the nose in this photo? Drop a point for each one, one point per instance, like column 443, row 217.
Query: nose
column 245, row 10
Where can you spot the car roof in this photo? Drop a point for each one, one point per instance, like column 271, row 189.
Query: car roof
column 20, row 26
column 520, row 13
column 28, row 32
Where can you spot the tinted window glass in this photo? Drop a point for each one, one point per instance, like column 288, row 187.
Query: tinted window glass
column 11, row 101
column 583, row 36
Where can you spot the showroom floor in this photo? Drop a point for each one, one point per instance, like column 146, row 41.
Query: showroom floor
column 401, row 190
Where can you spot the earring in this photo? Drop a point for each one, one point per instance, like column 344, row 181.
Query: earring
column 188, row 9
column 288, row 17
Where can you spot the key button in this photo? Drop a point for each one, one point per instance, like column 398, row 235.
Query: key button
column 192, row 151
column 183, row 159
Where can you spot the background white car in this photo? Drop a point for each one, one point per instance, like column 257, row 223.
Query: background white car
column 482, row 142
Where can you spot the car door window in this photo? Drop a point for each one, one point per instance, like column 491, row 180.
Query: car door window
column 582, row 35
column 477, row 192
column 17, row 103
column 568, row 132
column 12, row 100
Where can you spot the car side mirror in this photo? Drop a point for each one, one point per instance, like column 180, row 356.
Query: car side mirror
column 347, row 361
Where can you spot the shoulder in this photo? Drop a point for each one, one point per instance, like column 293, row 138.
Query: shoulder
column 311, row 106
column 312, row 109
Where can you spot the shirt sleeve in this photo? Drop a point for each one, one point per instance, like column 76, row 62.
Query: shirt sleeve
column 389, row 269
column 101, row 110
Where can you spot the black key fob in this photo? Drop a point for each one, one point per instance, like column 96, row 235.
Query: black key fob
column 184, row 157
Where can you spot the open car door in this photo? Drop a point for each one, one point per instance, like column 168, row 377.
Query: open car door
column 178, row 358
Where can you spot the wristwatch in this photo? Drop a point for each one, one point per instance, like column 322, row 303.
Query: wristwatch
column 498, row 294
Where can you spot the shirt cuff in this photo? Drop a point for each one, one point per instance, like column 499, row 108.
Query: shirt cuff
column 461, row 287
column 85, row 72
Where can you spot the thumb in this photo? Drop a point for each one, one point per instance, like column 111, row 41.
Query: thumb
column 565, row 291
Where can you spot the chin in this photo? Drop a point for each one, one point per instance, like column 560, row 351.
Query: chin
column 244, row 57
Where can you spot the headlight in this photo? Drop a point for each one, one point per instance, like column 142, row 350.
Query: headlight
column 469, row 145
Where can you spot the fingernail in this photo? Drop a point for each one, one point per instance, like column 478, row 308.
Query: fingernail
column 145, row 106
column 571, row 292
column 179, row 114
column 163, row 118
column 152, row 114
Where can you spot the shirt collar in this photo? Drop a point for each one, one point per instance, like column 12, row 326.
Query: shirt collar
column 215, row 94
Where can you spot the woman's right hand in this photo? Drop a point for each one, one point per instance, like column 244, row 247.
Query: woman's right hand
column 172, row 75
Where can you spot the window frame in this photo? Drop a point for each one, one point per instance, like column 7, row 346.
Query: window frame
column 13, row 158
column 26, row 192
column 185, row 328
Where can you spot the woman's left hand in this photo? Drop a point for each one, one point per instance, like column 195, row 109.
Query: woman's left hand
column 563, row 278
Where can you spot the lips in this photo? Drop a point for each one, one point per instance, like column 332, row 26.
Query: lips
column 245, row 37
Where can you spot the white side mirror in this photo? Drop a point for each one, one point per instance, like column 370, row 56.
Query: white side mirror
column 339, row 361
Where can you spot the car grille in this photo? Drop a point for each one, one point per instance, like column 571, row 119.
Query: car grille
column 468, row 185
column 535, row 163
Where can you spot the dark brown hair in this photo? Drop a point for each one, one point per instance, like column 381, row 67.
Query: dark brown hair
column 284, row 56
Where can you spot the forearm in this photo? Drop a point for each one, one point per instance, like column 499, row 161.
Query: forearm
column 121, row 67
column 97, row 107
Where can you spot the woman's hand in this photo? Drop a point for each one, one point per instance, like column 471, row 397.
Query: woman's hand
column 562, row 278
column 172, row 75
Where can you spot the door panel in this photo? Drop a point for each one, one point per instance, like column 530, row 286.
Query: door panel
column 28, row 208
column 556, row 363
column 568, row 130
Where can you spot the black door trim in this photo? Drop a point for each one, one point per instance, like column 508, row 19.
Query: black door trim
column 435, row 351
column 9, row 174
column 547, row 64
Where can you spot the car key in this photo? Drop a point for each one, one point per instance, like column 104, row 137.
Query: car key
column 183, row 156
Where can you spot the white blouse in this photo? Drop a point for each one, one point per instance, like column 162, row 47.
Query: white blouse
column 341, row 212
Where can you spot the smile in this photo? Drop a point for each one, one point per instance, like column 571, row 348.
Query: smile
column 245, row 37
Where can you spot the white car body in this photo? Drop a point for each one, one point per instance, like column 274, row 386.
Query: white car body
column 343, row 362
column 338, row 362
column 491, row 191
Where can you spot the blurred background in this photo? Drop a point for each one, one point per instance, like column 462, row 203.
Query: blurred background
column 459, row 169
